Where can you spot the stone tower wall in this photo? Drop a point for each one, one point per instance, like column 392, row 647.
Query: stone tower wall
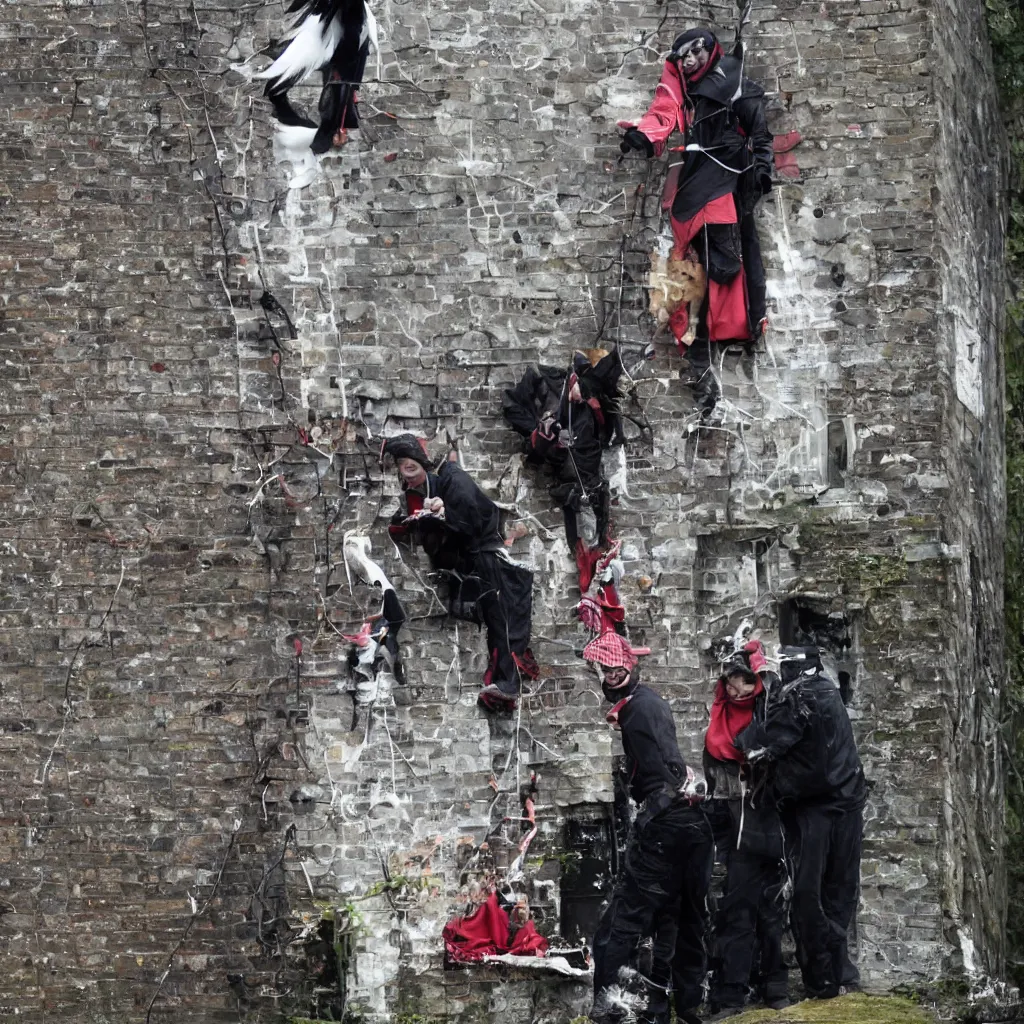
column 188, row 782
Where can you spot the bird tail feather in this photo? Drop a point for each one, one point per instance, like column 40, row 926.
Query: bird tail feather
column 312, row 48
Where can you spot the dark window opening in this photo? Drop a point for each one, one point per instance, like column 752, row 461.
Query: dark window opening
column 805, row 626
column 838, row 454
column 845, row 686
column 802, row 623
column 594, row 839
column 761, row 549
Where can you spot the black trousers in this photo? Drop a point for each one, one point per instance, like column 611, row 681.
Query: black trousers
column 661, row 893
column 749, row 924
column 505, row 605
column 753, row 265
column 723, row 249
column 579, row 476
column 823, row 845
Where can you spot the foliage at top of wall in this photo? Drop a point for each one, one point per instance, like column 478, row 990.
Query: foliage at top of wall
column 1006, row 31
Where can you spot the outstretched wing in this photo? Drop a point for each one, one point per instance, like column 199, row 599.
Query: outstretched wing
column 310, row 49
column 319, row 30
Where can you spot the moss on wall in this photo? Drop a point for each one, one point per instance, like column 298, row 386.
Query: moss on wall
column 1006, row 29
column 852, row 1009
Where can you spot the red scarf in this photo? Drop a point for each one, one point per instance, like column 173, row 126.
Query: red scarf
column 728, row 719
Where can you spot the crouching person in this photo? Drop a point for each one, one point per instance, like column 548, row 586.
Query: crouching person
column 751, row 915
column 818, row 779
column 459, row 528
column 662, row 890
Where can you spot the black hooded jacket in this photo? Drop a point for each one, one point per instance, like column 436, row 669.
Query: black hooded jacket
column 807, row 734
column 734, row 131
column 654, row 765
column 471, row 524
column 543, row 392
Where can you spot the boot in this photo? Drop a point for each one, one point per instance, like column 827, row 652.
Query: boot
column 701, row 378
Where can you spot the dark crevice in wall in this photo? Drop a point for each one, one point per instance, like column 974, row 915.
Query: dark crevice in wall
column 838, row 453
column 804, row 622
column 588, row 867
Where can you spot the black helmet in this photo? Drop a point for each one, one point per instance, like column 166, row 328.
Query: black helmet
column 795, row 661
column 689, row 37
column 738, row 664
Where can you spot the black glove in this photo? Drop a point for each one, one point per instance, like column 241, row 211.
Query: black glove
column 763, row 179
column 635, row 139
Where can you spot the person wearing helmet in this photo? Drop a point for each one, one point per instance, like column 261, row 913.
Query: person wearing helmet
column 725, row 165
column 751, row 914
column 459, row 528
column 662, row 890
column 818, row 780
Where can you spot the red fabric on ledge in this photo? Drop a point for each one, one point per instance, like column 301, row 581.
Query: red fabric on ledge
column 485, row 933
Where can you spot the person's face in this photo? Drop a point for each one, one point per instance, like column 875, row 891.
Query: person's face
column 739, row 687
column 411, row 472
column 614, row 676
column 694, row 58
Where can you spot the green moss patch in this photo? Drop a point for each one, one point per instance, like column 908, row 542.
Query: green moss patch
column 852, row 1009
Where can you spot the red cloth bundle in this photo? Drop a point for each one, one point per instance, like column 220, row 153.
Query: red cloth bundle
column 485, row 932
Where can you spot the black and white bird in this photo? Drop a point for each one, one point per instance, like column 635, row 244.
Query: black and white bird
column 334, row 37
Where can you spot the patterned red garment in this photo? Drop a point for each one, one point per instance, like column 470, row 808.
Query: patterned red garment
column 613, row 651
column 604, row 612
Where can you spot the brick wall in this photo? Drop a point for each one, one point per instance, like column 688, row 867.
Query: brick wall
column 187, row 780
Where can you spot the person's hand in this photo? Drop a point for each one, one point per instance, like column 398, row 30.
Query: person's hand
column 764, row 181
column 547, row 426
column 695, row 788
column 635, row 139
column 435, row 506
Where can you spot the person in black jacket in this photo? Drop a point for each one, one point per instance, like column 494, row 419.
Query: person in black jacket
column 819, row 782
column 459, row 528
column 567, row 418
column 662, row 890
column 751, row 914
column 726, row 166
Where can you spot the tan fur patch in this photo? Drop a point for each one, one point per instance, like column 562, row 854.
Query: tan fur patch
column 594, row 355
column 671, row 283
